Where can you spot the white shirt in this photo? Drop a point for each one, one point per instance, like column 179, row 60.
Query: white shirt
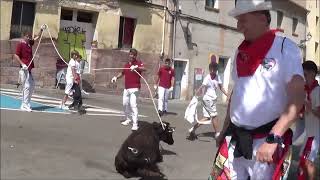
column 212, row 85
column 312, row 121
column 75, row 64
column 262, row 97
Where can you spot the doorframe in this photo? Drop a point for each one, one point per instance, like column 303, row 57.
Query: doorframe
column 183, row 96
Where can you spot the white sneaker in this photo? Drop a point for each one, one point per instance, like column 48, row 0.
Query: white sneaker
column 126, row 122
column 64, row 107
column 217, row 134
column 134, row 127
column 191, row 130
column 84, row 92
column 25, row 107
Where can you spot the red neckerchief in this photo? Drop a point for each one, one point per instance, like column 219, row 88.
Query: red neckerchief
column 213, row 76
column 309, row 89
column 251, row 54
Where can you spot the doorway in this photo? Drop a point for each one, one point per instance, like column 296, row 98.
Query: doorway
column 181, row 79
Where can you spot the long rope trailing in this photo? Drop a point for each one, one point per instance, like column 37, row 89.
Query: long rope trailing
column 48, row 30
column 154, row 104
column 35, row 52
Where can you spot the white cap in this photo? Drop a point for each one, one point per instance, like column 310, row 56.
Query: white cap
column 246, row 6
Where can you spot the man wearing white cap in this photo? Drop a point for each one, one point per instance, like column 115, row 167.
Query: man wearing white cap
column 266, row 98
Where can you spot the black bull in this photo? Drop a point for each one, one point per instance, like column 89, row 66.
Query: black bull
column 140, row 153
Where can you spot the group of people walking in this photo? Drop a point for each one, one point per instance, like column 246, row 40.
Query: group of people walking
column 271, row 89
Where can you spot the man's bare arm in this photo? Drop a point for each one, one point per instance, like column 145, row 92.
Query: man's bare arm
column 296, row 96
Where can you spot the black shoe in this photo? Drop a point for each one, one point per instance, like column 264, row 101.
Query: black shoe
column 160, row 113
column 164, row 112
column 192, row 136
column 71, row 106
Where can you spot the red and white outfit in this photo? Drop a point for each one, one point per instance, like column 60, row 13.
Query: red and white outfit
column 311, row 145
column 131, row 91
column 261, row 71
column 165, row 76
column 24, row 51
column 211, row 81
column 69, row 76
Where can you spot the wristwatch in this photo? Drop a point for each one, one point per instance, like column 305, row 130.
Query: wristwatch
column 272, row 138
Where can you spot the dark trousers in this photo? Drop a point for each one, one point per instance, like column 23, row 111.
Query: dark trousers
column 77, row 98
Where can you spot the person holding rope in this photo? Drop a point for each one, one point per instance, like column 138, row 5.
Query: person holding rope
column 266, row 99
column 24, row 56
column 132, row 86
column 164, row 83
column 210, row 83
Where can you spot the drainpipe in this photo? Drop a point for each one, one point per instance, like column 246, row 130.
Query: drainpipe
column 163, row 29
column 174, row 31
column 163, row 33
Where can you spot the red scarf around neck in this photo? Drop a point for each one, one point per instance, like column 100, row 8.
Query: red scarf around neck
column 251, row 54
column 309, row 89
column 213, row 75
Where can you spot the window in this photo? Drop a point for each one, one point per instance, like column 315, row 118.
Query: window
column 84, row 17
column 212, row 4
column 316, row 47
column 66, row 14
column 279, row 19
column 294, row 26
column 317, row 21
column 22, row 18
column 126, row 31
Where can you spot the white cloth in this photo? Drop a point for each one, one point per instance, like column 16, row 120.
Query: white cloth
column 28, row 88
column 312, row 124
column 209, row 108
column 241, row 168
column 130, row 104
column 68, row 87
column 72, row 64
column 191, row 112
column 163, row 97
column 312, row 156
column 212, row 85
column 262, row 97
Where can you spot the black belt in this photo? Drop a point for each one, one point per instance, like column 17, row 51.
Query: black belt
column 244, row 138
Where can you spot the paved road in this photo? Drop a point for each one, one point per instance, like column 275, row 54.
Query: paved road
column 41, row 145
column 60, row 145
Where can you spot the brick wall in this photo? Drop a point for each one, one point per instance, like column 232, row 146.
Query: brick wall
column 45, row 61
column 45, row 64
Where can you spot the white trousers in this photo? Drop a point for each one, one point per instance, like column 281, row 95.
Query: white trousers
column 163, row 97
column 241, row 168
column 130, row 104
column 28, row 88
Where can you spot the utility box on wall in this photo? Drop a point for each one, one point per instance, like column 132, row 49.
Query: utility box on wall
column 198, row 78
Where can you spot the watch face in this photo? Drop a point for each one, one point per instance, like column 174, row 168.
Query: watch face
column 270, row 139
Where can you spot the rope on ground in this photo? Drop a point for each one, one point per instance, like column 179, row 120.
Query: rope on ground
column 154, row 104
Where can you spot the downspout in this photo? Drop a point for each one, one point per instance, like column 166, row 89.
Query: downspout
column 163, row 33
column 163, row 28
column 174, row 31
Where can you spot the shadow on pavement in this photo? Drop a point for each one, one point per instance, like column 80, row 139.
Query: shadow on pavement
column 167, row 152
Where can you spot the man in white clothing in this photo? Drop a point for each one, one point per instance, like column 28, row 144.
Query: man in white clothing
column 267, row 95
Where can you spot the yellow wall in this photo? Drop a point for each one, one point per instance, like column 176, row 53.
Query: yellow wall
column 5, row 23
column 314, row 30
column 148, row 31
column 47, row 13
column 107, row 29
column 147, row 35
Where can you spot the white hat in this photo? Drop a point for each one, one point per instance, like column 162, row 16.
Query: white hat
column 246, row 6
